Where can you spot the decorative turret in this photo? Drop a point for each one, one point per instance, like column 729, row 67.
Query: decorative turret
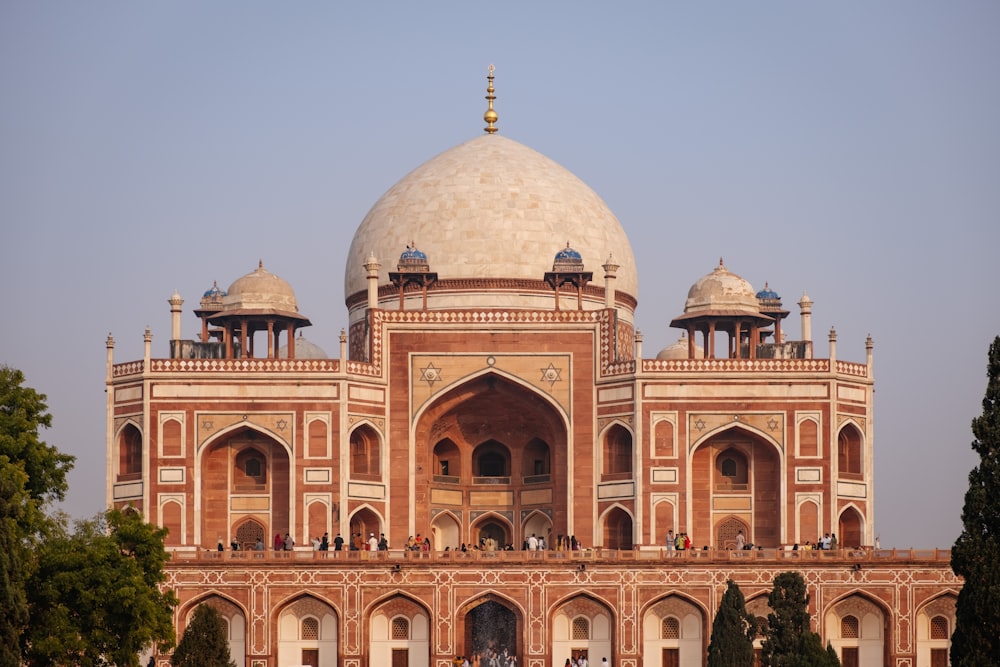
column 567, row 268
column 413, row 269
column 723, row 302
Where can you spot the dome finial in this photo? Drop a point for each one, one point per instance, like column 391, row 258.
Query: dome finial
column 490, row 116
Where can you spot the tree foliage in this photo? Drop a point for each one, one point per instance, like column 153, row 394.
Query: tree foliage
column 31, row 474
column 733, row 631
column 790, row 641
column 13, row 563
column 976, row 640
column 204, row 643
column 96, row 598
column 22, row 414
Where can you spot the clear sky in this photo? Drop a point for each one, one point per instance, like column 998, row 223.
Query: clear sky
column 849, row 149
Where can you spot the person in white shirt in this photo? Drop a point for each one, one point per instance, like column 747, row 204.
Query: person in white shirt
column 372, row 542
column 532, row 543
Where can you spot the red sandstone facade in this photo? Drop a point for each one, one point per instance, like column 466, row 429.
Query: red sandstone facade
column 479, row 411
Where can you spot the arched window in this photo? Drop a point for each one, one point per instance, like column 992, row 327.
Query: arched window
column 536, row 461
column 732, row 471
column 581, row 628
column 446, row 462
column 130, row 453
column 849, row 627
column 248, row 533
column 491, row 460
column 309, row 629
column 365, row 453
column 617, row 451
column 400, row 628
column 849, row 451
column 670, row 628
column 940, row 628
column 250, row 471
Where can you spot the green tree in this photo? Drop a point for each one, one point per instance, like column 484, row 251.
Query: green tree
column 733, row 631
column 22, row 414
column 96, row 597
column 790, row 642
column 204, row 643
column 31, row 475
column 13, row 560
column 976, row 640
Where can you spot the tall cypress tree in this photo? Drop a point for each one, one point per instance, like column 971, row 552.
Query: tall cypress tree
column 790, row 640
column 733, row 631
column 976, row 640
column 204, row 643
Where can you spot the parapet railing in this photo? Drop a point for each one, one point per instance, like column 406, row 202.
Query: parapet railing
column 645, row 554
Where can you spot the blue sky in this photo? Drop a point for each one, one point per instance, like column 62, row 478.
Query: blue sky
column 850, row 150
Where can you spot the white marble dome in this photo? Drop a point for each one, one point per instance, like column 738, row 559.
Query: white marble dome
column 679, row 350
column 260, row 290
column 722, row 292
column 304, row 349
column 490, row 208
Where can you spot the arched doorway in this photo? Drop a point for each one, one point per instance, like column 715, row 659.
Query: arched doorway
column 617, row 529
column 501, row 444
column 250, row 464
column 850, row 529
column 491, row 533
column 399, row 634
column 364, row 524
column 491, row 627
column 737, row 473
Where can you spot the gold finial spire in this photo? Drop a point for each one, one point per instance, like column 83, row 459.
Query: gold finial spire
column 490, row 116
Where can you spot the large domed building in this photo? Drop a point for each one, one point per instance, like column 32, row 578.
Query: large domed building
column 491, row 416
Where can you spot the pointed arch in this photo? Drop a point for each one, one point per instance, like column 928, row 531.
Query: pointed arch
column 617, row 451
column 935, row 624
column 365, row 521
column 735, row 426
column 216, row 479
column 539, row 524
column 244, row 426
column 130, row 445
column 759, row 500
column 850, row 527
column 492, row 525
column 859, row 624
column 443, row 392
column 617, row 527
column 599, row 621
column 850, row 450
column 234, row 616
column 446, row 531
column 397, row 622
column 491, row 618
column 307, row 623
column 365, row 444
column 675, row 624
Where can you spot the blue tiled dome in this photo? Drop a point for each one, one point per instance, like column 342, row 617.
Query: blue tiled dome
column 768, row 293
column 412, row 256
column 568, row 255
column 215, row 292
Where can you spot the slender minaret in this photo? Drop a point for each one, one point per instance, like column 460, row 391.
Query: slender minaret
column 343, row 345
column 806, row 308
column 833, row 348
column 147, row 339
column 175, row 302
column 610, row 268
column 372, row 267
